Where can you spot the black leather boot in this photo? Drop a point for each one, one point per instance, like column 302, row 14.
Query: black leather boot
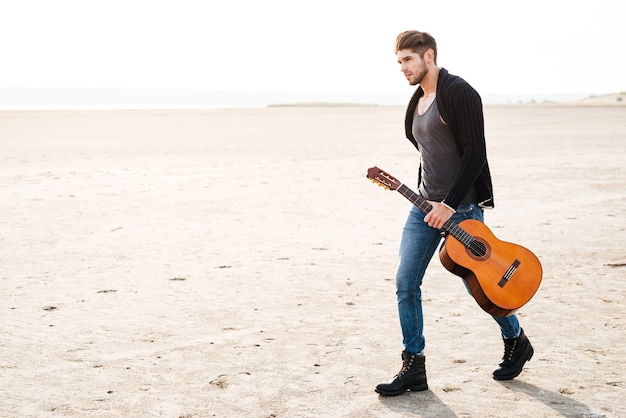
column 412, row 377
column 517, row 351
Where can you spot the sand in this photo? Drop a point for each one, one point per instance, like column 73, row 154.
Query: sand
column 238, row 263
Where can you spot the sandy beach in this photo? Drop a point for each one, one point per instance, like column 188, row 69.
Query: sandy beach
column 238, row 263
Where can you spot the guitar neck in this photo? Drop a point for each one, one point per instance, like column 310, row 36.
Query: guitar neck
column 418, row 200
column 422, row 204
column 389, row 182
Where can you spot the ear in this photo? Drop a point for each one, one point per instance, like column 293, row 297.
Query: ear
column 429, row 55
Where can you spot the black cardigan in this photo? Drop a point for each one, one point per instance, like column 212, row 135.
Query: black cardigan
column 461, row 108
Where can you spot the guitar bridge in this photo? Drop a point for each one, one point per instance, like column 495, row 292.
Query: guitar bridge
column 509, row 273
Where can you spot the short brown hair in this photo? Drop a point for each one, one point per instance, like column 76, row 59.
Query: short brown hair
column 418, row 42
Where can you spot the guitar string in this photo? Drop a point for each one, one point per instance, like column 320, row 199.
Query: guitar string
column 470, row 242
column 479, row 249
column 466, row 240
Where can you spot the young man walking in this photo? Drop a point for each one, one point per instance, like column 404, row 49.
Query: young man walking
column 444, row 121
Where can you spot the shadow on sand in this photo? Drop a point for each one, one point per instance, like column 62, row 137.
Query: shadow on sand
column 563, row 405
column 427, row 405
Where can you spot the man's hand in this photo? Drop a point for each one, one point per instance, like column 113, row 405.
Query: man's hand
column 438, row 215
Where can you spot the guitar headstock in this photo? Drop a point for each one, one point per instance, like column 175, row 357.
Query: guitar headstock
column 383, row 179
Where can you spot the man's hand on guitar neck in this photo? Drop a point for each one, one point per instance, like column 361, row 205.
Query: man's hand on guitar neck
column 438, row 215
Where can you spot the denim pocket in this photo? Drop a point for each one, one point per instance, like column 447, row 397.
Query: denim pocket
column 471, row 211
column 465, row 209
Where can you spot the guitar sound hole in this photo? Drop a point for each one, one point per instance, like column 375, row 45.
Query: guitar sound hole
column 478, row 249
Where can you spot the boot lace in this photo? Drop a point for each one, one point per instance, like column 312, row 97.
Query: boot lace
column 406, row 366
column 509, row 350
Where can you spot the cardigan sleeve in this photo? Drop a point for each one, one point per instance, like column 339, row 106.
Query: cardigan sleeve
column 464, row 115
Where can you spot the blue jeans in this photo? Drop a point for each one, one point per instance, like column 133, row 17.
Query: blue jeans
column 417, row 246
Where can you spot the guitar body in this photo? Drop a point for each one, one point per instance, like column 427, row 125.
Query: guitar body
column 501, row 276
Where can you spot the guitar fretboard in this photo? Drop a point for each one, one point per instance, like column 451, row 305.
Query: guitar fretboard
column 450, row 227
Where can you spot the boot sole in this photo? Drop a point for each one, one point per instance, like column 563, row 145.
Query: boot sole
column 418, row 388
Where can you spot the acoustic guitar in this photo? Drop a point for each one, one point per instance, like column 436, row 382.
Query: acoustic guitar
column 501, row 276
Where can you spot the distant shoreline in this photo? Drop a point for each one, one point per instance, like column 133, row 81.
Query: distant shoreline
column 151, row 99
column 323, row 104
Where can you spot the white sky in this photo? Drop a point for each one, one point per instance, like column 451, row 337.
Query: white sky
column 530, row 46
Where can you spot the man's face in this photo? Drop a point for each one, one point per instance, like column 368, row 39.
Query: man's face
column 412, row 66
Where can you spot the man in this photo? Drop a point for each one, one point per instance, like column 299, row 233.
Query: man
column 444, row 121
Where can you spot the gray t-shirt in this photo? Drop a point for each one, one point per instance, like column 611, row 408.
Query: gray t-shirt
column 439, row 157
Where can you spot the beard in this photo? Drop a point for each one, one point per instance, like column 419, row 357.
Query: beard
column 417, row 77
